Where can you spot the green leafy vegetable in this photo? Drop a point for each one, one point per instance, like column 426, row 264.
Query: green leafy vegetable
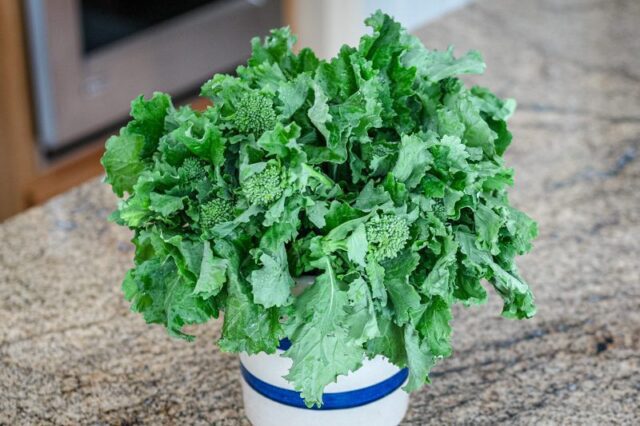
column 378, row 173
column 272, row 283
column 324, row 347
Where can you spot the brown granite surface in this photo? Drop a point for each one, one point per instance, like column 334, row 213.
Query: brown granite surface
column 71, row 353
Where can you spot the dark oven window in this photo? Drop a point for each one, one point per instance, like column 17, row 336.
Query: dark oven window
column 107, row 21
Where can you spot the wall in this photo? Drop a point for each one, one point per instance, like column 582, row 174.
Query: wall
column 328, row 24
column 413, row 13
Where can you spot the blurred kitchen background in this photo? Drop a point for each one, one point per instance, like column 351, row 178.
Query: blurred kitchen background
column 69, row 69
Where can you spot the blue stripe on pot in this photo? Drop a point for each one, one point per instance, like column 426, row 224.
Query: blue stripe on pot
column 284, row 344
column 331, row 401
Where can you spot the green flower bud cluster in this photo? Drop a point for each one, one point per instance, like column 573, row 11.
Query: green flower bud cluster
column 265, row 187
column 192, row 169
column 439, row 210
column 387, row 235
column 254, row 114
column 214, row 212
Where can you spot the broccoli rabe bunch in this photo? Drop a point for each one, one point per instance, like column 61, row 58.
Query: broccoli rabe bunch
column 377, row 173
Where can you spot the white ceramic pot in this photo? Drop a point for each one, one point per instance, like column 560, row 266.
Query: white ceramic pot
column 370, row 396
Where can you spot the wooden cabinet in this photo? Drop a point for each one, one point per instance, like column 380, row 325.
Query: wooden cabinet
column 17, row 160
column 26, row 178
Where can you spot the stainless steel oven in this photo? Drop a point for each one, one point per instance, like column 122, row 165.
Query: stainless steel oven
column 91, row 57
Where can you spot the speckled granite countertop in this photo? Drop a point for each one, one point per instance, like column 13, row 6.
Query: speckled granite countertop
column 71, row 353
